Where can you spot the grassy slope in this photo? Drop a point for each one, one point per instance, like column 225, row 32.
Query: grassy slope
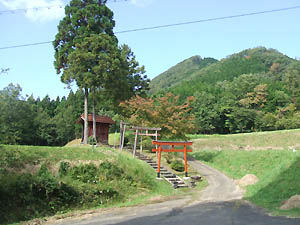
column 278, row 170
column 271, row 140
column 136, row 182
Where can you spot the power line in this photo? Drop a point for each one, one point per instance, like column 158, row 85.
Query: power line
column 208, row 20
column 172, row 25
column 26, row 45
column 24, row 10
column 15, row 11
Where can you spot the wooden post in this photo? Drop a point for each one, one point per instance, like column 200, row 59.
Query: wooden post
column 123, row 136
column 158, row 166
column 185, row 161
column 156, row 144
column 141, row 145
column 115, row 139
column 135, row 141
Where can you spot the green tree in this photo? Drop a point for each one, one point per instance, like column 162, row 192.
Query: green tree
column 291, row 79
column 16, row 118
column 206, row 113
column 87, row 52
column 94, row 62
column 77, row 40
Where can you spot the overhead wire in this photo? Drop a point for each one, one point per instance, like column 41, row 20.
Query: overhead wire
column 15, row 11
column 174, row 24
column 24, row 10
column 208, row 20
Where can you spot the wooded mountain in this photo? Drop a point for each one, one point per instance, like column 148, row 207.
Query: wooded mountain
column 256, row 89
column 180, row 72
column 193, row 71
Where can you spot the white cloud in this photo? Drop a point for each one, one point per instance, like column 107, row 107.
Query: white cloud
column 48, row 9
column 141, row 3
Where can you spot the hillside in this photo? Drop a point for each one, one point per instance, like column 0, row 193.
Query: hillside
column 178, row 73
column 256, row 89
column 252, row 61
column 190, row 75
column 43, row 181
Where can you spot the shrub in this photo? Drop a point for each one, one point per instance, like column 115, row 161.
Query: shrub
column 147, row 143
column 177, row 165
column 86, row 173
column 92, row 140
column 110, row 170
column 64, row 167
column 170, row 157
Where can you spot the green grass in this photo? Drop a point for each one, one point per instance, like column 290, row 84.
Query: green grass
column 114, row 139
column 271, row 140
column 43, row 181
column 278, row 170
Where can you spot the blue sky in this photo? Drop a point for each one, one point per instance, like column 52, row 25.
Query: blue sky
column 159, row 49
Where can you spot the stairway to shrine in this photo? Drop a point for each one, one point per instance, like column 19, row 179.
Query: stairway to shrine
column 173, row 179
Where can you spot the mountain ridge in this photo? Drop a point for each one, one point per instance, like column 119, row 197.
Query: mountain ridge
column 189, row 73
column 179, row 72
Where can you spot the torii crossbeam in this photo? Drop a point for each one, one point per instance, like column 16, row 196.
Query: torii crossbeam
column 173, row 144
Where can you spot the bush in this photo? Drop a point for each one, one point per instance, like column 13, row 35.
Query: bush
column 170, row 157
column 63, row 168
column 87, row 173
column 111, row 170
column 25, row 196
column 177, row 165
column 147, row 143
column 92, row 140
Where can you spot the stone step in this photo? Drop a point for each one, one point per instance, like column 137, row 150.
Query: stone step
column 143, row 157
column 174, row 180
column 168, row 174
column 147, row 160
column 182, row 185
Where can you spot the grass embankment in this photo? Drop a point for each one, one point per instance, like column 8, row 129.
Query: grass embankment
column 278, row 170
column 271, row 140
column 43, row 181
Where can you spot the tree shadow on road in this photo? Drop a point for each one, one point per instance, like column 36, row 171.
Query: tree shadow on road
column 225, row 213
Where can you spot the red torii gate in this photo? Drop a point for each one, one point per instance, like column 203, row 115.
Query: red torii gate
column 173, row 144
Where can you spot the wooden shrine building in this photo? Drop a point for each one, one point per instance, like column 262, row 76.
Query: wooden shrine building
column 102, row 127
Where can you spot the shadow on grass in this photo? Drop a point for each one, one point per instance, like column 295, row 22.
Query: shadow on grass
column 204, row 156
column 280, row 189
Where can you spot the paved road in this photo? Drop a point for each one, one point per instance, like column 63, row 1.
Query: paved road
column 219, row 204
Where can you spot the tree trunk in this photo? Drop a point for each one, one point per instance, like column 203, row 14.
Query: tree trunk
column 86, row 122
column 94, row 119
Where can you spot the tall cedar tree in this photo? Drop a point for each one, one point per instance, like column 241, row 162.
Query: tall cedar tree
column 83, row 21
column 86, row 51
column 165, row 112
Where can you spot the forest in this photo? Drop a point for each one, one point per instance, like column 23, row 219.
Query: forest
column 254, row 90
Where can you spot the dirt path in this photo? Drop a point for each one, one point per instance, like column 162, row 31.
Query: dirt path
column 220, row 187
column 219, row 203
